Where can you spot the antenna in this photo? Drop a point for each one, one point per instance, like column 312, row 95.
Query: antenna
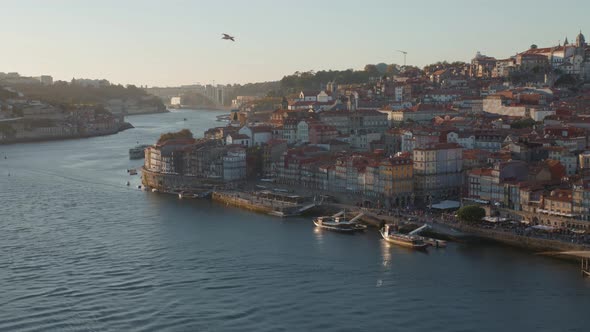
column 404, row 53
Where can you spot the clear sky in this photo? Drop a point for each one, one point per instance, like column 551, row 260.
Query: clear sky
column 173, row 42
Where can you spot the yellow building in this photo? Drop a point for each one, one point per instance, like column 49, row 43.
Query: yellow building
column 396, row 180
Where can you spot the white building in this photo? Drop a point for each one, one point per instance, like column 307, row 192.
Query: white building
column 238, row 139
column 175, row 101
column 258, row 134
column 234, row 164
column 466, row 140
column 302, row 133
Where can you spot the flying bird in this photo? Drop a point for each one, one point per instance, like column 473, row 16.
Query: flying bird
column 228, row 37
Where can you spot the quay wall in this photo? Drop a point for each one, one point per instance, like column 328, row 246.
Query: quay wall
column 234, row 200
column 173, row 182
column 525, row 242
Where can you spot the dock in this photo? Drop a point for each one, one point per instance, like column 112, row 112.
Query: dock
column 280, row 205
column 582, row 255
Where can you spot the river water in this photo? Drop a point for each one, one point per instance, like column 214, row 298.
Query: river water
column 81, row 251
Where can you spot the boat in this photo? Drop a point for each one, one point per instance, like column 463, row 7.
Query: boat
column 404, row 240
column 128, row 183
column 430, row 241
column 192, row 195
column 154, row 190
column 434, row 242
column 185, row 194
column 138, row 152
column 339, row 223
column 132, row 171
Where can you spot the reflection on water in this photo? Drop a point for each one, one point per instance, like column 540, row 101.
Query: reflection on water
column 385, row 254
column 319, row 235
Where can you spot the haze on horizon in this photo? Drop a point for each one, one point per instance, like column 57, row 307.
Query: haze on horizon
column 170, row 43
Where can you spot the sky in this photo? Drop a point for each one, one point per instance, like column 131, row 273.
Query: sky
column 176, row 42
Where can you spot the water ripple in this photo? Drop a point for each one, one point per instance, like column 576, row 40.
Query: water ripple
column 83, row 252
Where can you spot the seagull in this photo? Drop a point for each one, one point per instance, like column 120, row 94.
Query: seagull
column 227, row 37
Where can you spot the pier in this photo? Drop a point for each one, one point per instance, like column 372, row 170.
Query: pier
column 265, row 202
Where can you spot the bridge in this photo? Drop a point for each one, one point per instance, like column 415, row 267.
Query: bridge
column 210, row 94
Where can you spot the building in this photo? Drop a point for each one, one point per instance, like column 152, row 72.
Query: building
column 238, row 139
column 320, row 133
column 396, row 181
column 337, row 119
column 259, row 135
column 420, row 113
column 45, row 79
column 482, row 66
column 168, row 157
column 175, row 101
column 234, row 164
column 486, row 185
column 438, row 171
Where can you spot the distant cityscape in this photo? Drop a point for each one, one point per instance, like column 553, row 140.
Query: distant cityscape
column 510, row 135
column 37, row 108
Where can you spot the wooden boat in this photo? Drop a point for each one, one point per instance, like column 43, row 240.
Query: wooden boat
column 339, row 223
column 404, row 240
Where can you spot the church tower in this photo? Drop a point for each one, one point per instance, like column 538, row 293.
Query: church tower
column 580, row 40
column 565, row 42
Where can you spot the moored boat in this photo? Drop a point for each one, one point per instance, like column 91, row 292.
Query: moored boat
column 434, row 242
column 404, row 240
column 339, row 223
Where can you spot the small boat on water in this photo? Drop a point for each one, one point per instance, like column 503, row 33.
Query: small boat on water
column 434, row 242
column 404, row 240
column 185, row 194
column 430, row 241
column 132, row 171
column 191, row 195
column 339, row 223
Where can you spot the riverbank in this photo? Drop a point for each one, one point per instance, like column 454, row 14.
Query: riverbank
column 146, row 112
column 123, row 127
column 444, row 230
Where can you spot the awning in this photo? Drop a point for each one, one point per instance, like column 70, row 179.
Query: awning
column 495, row 219
column 446, row 205
column 544, row 227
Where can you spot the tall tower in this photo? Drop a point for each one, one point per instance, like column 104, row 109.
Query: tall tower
column 580, row 40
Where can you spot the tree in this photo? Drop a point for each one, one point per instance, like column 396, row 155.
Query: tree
column 381, row 67
column 372, row 70
column 184, row 133
column 523, row 123
column 471, row 213
column 392, row 69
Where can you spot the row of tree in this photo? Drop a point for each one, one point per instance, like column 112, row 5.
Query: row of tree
column 65, row 94
column 184, row 133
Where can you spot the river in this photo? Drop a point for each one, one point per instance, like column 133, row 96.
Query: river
column 81, row 251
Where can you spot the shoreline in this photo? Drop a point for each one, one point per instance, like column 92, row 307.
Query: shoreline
column 124, row 127
column 539, row 246
column 146, row 113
